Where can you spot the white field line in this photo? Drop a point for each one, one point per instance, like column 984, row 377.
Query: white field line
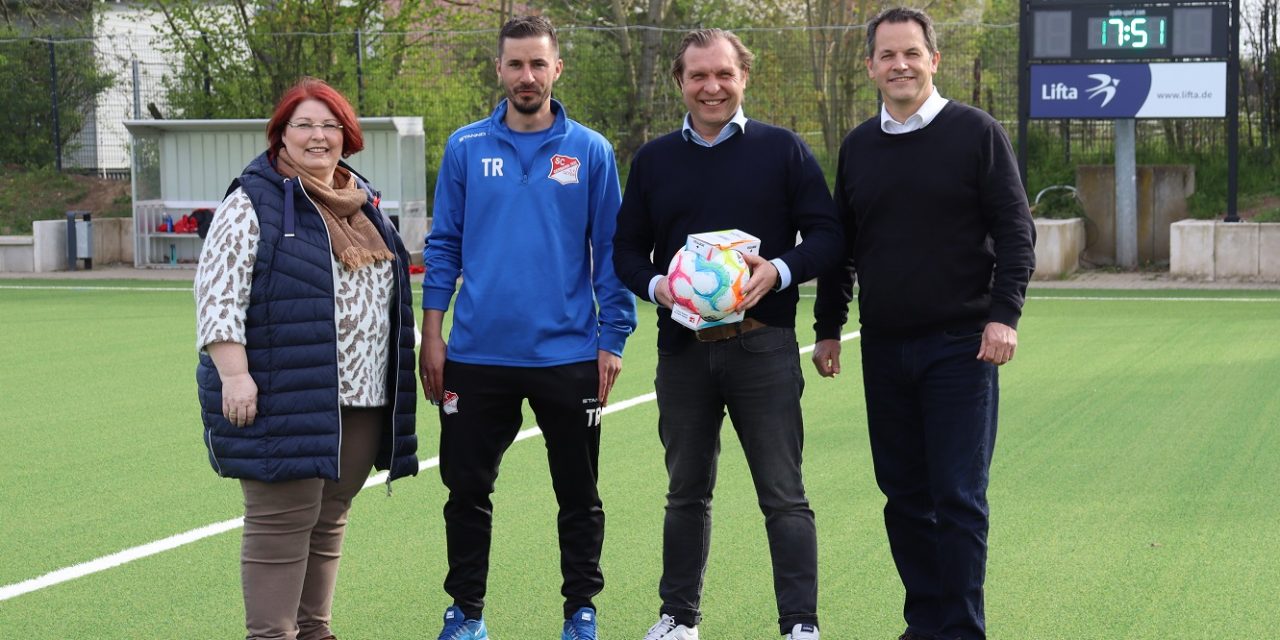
column 91, row 288
column 173, row 542
column 1128, row 298
column 802, row 295
column 1155, row 299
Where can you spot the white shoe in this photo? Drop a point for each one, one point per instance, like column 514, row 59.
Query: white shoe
column 667, row 629
column 803, row 632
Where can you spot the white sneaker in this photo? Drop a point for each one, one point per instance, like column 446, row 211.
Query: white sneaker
column 803, row 632
column 667, row 629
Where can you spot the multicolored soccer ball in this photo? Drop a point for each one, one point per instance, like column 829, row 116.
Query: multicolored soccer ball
column 708, row 285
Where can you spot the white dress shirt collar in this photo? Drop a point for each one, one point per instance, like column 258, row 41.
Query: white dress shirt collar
column 735, row 124
column 918, row 120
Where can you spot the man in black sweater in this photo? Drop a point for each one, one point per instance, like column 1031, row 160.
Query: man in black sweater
column 941, row 240
column 723, row 171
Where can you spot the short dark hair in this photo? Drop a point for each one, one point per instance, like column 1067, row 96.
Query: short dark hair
column 703, row 38
column 527, row 27
column 902, row 14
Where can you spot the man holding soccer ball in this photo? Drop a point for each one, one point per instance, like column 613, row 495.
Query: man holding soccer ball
column 527, row 183
column 725, row 171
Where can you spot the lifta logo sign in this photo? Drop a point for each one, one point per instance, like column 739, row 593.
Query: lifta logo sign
column 1160, row 90
column 1106, row 87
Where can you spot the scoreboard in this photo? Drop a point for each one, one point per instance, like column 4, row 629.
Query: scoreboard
column 1122, row 60
column 1088, row 30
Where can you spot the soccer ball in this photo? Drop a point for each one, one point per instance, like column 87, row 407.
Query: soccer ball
column 709, row 285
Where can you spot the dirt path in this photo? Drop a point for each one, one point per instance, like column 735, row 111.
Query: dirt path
column 1103, row 279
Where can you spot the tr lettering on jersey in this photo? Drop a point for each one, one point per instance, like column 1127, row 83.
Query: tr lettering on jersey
column 492, row 167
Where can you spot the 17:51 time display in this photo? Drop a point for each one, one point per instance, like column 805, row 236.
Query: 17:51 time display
column 1144, row 32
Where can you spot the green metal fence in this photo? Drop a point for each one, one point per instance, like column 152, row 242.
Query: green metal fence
column 812, row 80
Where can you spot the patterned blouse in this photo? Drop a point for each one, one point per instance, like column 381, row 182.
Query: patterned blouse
column 362, row 302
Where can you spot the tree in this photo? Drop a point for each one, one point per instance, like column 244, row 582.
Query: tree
column 33, row 35
column 835, row 55
column 236, row 58
column 634, row 32
column 1259, row 66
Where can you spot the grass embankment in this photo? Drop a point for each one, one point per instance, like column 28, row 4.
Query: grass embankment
column 44, row 194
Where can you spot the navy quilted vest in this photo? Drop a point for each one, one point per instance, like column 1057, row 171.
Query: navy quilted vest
column 291, row 343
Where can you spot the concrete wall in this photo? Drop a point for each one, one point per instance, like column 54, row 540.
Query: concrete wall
column 1214, row 250
column 112, row 240
column 1269, row 252
column 1191, row 249
column 1162, row 200
column 1059, row 244
column 112, row 243
column 16, row 254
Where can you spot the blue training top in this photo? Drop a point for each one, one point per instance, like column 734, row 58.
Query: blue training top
column 533, row 244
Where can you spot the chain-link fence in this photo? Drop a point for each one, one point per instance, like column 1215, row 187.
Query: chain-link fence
column 812, row 80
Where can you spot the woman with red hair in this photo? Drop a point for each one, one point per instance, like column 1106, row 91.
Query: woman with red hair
column 304, row 325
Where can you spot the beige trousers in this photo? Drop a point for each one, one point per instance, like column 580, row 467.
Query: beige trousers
column 293, row 539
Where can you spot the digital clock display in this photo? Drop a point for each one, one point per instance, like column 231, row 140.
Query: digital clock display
column 1078, row 30
column 1129, row 32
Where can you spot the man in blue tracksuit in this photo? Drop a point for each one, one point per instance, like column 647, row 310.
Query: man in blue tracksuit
column 525, row 209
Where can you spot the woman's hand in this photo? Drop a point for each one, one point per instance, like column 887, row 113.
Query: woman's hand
column 239, row 391
column 239, row 399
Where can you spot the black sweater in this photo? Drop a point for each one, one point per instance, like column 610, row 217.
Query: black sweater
column 936, row 226
column 763, row 181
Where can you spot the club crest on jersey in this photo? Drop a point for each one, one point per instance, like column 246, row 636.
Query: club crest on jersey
column 564, row 169
column 450, row 402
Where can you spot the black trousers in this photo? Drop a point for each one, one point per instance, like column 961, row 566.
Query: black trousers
column 479, row 419
column 932, row 409
column 757, row 378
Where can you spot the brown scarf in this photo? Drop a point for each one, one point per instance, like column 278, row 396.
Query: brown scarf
column 356, row 242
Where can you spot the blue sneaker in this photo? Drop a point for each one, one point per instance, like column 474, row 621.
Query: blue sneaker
column 582, row 626
column 456, row 627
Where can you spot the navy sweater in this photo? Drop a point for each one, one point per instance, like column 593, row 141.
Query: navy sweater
column 764, row 181
column 936, row 225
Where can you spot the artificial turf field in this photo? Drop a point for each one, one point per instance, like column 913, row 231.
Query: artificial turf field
column 1135, row 488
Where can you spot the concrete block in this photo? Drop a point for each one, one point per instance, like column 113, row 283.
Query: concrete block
column 1191, row 245
column 49, row 246
column 1059, row 244
column 1096, row 188
column 1235, row 250
column 112, row 240
column 16, row 254
column 1171, row 185
column 1269, row 251
column 1162, row 200
column 112, row 243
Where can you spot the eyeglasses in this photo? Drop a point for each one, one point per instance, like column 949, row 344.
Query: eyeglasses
column 326, row 127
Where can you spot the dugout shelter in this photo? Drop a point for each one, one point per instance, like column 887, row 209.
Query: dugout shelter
column 182, row 166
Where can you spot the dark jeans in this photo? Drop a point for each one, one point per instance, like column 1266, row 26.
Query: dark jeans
column 757, row 376
column 931, row 412
column 472, row 441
